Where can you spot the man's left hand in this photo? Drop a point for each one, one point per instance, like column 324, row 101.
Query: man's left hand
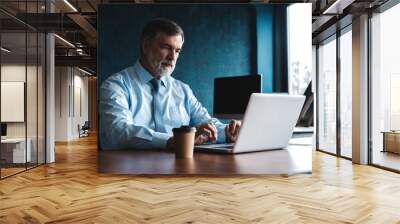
column 232, row 130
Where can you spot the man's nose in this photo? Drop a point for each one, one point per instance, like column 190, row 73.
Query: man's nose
column 172, row 55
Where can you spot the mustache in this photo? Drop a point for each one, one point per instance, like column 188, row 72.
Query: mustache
column 170, row 63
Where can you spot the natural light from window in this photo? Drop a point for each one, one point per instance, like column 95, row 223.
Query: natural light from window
column 299, row 47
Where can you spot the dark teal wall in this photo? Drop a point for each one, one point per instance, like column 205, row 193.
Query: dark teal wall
column 220, row 40
column 265, row 46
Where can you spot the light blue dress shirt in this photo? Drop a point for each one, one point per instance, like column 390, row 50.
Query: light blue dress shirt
column 128, row 118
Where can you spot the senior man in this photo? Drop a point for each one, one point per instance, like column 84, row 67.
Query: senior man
column 141, row 104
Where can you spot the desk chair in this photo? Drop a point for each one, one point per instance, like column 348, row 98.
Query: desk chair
column 84, row 130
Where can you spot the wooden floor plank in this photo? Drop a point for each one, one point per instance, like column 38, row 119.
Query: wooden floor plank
column 71, row 191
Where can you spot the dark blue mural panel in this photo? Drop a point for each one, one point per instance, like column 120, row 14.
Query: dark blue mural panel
column 220, row 40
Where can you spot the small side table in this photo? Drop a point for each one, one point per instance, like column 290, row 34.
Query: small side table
column 391, row 141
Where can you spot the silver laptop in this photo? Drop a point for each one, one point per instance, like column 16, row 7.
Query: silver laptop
column 268, row 124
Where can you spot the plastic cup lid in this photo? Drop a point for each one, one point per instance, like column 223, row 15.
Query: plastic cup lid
column 184, row 128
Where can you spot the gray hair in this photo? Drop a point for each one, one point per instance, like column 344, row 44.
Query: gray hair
column 158, row 25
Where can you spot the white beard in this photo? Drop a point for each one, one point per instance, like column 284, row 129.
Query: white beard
column 159, row 67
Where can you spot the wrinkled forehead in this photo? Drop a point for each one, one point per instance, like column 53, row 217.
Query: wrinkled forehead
column 173, row 40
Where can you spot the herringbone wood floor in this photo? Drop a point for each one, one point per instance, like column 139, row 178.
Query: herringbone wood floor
column 71, row 191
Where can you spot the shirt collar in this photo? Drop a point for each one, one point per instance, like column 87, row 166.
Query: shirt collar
column 145, row 76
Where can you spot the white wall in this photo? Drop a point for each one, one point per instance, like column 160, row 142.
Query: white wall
column 71, row 102
column 33, row 127
column 16, row 72
column 62, row 81
column 80, row 110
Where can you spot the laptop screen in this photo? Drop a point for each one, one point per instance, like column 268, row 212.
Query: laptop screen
column 3, row 129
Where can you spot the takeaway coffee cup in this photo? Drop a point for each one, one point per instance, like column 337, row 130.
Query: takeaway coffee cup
column 184, row 141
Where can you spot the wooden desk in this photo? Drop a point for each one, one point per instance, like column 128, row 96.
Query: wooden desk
column 292, row 160
column 13, row 150
column 391, row 141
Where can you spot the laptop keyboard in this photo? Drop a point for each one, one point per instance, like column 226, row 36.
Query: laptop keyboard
column 225, row 147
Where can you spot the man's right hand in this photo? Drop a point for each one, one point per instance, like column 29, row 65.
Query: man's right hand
column 205, row 132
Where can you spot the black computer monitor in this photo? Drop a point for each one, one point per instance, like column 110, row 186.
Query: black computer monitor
column 231, row 95
column 306, row 118
column 3, row 129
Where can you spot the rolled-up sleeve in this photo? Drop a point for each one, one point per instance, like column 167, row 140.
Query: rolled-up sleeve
column 118, row 129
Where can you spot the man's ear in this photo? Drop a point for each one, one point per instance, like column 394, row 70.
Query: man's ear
column 145, row 44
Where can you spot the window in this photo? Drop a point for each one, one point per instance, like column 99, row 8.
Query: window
column 346, row 93
column 385, row 87
column 299, row 50
column 22, row 65
column 327, row 96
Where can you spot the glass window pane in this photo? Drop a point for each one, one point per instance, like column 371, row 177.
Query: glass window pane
column 346, row 94
column 14, row 147
column 327, row 96
column 385, row 85
column 23, row 84
column 31, row 96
